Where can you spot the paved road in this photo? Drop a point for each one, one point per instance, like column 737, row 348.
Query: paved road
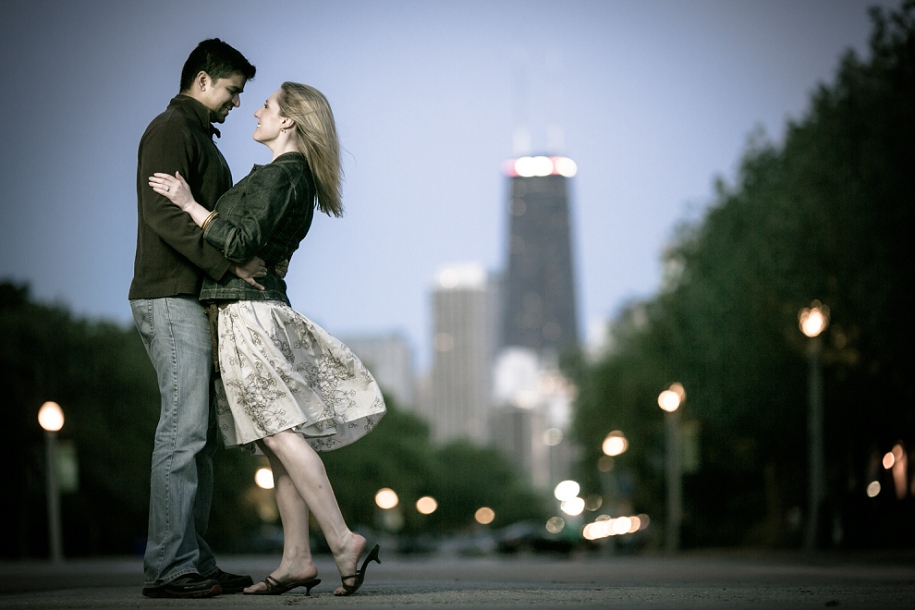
column 704, row 580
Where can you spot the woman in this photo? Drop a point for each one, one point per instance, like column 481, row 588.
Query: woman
column 287, row 388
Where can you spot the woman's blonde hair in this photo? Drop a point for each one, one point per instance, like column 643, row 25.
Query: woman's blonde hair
column 316, row 135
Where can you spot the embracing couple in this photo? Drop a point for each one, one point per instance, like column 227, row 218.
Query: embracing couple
column 209, row 300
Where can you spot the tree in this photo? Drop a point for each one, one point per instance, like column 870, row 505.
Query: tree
column 823, row 216
column 98, row 373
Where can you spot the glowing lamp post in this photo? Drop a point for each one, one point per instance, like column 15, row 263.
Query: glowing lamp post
column 670, row 400
column 387, row 500
column 51, row 419
column 426, row 505
column 614, row 444
column 813, row 321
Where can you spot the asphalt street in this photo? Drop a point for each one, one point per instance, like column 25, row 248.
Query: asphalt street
column 691, row 580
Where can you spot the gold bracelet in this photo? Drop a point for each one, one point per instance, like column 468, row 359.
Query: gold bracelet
column 208, row 220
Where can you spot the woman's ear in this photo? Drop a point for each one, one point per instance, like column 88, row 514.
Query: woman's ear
column 287, row 123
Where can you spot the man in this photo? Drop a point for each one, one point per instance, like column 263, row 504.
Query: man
column 171, row 259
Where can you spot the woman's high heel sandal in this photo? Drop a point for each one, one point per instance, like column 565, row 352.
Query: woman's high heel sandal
column 275, row 587
column 360, row 575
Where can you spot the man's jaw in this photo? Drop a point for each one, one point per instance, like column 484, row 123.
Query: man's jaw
column 220, row 117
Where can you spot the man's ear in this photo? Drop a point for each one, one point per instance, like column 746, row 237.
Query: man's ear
column 202, row 81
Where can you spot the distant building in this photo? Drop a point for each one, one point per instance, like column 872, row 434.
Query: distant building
column 540, row 307
column 520, row 432
column 497, row 338
column 539, row 320
column 464, row 321
column 390, row 360
column 530, row 416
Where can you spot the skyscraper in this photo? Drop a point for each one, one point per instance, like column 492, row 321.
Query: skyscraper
column 463, row 322
column 540, row 309
column 538, row 318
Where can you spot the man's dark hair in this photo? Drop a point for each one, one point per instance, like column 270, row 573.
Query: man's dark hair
column 218, row 60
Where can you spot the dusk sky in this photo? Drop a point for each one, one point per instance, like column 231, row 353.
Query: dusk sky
column 655, row 98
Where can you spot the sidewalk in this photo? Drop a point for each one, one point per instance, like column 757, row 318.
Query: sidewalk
column 706, row 580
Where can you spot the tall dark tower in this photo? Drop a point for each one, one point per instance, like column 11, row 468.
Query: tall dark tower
column 539, row 302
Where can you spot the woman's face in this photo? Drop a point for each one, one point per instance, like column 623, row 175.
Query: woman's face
column 269, row 121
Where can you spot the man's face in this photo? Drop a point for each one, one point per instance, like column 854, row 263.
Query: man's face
column 222, row 95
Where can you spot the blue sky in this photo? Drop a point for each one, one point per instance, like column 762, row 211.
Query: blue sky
column 656, row 98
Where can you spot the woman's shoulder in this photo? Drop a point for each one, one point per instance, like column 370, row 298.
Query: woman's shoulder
column 291, row 162
column 291, row 157
column 287, row 168
column 287, row 163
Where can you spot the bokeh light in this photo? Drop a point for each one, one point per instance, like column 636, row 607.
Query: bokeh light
column 263, row 478
column 605, row 526
column 573, row 506
column 614, row 444
column 671, row 398
column 591, row 531
column 565, row 166
column 51, row 417
column 621, row 525
column 386, row 498
column 484, row 515
column 888, row 460
column 527, row 167
column 900, row 471
column 873, row 489
column 426, row 505
column 813, row 320
column 566, row 490
column 678, row 389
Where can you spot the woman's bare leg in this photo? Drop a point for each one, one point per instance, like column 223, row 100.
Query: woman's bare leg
column 297, row 562
column 306, row 471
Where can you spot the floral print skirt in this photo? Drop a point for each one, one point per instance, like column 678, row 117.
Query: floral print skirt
column 281, row 371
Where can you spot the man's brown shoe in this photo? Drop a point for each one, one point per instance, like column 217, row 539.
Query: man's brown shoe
column 187, row 586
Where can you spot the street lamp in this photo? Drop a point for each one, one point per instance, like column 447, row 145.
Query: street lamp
column 426, row 505
column 614, row 444
column 387, row 500
column 670, row 400
column 813, row 321
column 51, row 419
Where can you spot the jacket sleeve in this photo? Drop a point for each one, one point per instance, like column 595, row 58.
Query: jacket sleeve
column 169, row 150
column 268, row 193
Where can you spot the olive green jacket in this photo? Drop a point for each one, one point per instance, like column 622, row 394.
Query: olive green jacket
column 267, row 214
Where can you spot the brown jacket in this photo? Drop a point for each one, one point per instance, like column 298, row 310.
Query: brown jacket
column 172, row 255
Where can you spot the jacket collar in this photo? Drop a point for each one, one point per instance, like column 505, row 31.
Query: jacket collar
column 196, row 110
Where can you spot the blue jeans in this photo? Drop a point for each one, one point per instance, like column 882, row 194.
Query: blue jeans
column 177, row 338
